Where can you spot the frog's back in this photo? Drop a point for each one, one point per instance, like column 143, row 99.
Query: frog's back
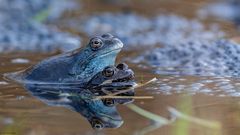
column 53, row 69
column 79, row 65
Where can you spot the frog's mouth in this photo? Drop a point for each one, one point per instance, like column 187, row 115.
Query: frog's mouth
column 103, row 57
column 117, row 85
column 94, row 55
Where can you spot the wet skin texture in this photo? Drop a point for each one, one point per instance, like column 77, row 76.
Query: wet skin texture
column 79, row 65
column 64, row 80
column 113, row 79
column 79, row 96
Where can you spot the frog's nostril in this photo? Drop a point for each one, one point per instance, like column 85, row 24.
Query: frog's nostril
column 107, row 35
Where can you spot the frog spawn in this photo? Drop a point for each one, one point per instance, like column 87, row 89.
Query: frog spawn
column 139, row 30
column 213, row 9
column 212, row 65
column 21, row 30
column 212, row 86
column 203, row 58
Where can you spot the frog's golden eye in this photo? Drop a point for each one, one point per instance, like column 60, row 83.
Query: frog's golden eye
column 96, row 43
column 108, row 71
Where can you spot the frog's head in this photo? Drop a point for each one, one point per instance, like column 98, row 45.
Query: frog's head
column 105, row 117
column 98, row 115
column 104, row 46
column 113, row 79
column 100, row 52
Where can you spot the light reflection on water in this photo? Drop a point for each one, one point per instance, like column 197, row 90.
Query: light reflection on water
column 18, row 106
column 212, row 98
column 217, row 86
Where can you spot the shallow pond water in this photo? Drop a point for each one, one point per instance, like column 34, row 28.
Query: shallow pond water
column 25, row 114
column 210, row 98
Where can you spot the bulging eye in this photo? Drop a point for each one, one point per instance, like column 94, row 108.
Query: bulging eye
column 97, row 124
column 108, row 71
column 96, row 43
column 109, row 102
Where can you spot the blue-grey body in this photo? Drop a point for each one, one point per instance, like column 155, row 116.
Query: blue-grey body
column 79, row 65
column 81, row 97
column 74, row 79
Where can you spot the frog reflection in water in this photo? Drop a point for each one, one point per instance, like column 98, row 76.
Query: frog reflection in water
column 81, row 64
column 75, row 78
column 80, row 98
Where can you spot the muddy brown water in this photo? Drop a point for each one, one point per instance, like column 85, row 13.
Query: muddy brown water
column 21, row 113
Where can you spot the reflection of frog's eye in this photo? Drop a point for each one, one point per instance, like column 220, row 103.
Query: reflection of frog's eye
column 109, row 102
column 96, row 43
column 108, row 72
column 96, row 124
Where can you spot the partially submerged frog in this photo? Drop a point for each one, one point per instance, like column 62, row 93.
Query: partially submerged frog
column 74, row 80
column 81, row 97
column 79, row 65
column 113, row 79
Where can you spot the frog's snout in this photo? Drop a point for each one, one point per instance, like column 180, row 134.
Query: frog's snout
column 117, row 42
column 108, row 41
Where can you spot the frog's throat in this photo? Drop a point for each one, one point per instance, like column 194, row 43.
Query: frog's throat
column 76, row 68
column 92, row 56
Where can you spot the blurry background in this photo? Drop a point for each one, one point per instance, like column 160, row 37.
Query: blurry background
column 31, row 30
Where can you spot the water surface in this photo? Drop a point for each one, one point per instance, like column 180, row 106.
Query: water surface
column 210, row 98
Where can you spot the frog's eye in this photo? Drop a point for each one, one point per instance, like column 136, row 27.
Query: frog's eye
column 108, row 71
column 96, row 43
column 109, row 102
column 97, row 124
